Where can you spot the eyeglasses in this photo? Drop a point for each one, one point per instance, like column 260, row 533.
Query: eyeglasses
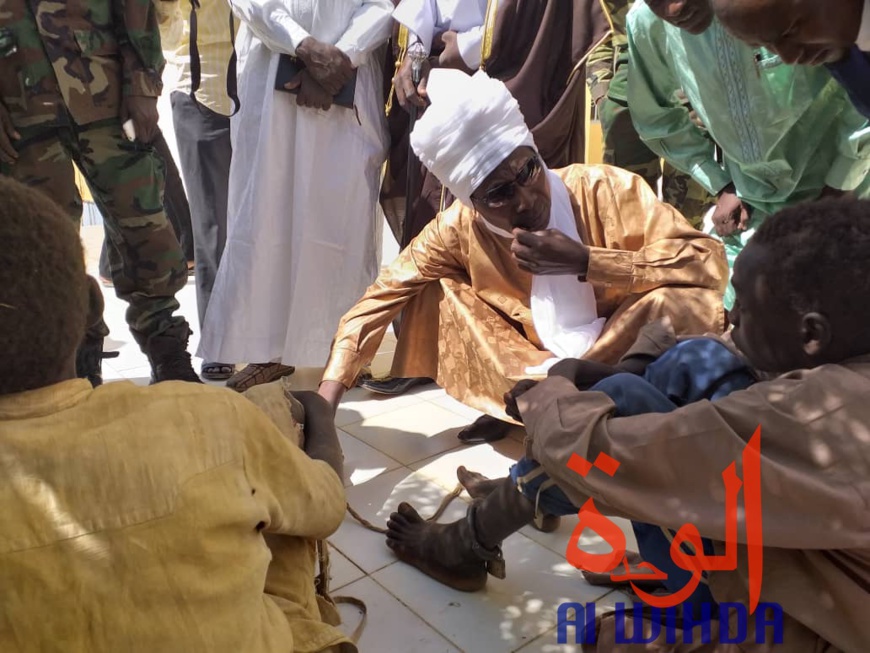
column 498, row 196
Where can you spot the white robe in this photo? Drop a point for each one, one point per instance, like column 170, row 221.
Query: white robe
column 303, row 241
column 426, row 18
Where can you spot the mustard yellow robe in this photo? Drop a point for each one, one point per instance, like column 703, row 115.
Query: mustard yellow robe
column 172, row 518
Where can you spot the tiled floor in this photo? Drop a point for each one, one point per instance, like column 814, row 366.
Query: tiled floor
column 405, row 449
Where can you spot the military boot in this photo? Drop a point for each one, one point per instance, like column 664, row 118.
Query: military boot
column 169, row 359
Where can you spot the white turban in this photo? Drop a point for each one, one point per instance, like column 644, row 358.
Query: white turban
column 471, row 127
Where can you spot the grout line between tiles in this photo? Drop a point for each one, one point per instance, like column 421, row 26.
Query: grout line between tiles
column 419, row 616
column 384, row 453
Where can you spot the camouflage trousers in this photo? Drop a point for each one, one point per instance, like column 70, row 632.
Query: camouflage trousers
column 126, row 181
column 624, row 148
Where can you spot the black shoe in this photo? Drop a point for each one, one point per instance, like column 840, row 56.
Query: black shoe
column 394, row 386
column 484, row 429
column 169, row 360
column 89, row 360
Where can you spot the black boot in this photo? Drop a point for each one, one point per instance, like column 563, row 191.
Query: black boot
column 462, row 554
column 169, row 359
column 89, row 360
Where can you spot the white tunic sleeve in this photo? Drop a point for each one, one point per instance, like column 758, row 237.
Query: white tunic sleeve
column 469, row 43
column 369, row 28
column 421, row 19
column 272, row 23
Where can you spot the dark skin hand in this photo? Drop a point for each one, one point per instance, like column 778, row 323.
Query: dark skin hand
column 583, row 373
column 329, row 66
column 511, row 396
column 406, row 93
column 143, row 112
column 450, row 56
column 311, row 94
column 321, row 437
column 7, row 135
column 549, row 252
column 731, row 215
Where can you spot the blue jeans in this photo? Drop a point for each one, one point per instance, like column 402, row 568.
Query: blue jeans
column 693, row 370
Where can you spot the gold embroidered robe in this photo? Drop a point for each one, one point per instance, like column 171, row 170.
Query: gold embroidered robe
column 467, row 322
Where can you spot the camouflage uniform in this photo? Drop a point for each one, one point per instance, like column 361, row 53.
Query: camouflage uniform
column 607, row 76
column 65, row 68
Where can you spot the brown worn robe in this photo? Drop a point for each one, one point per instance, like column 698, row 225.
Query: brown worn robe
column 537, row 46
column 467, row 321
column 815, row 491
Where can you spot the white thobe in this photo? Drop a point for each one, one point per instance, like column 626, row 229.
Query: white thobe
column 303, row 241
column 426, row 18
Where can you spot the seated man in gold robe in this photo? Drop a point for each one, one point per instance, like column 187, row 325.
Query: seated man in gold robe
column 527, row 267
column 175, row 517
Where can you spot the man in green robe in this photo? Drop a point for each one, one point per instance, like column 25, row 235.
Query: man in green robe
column 786, row 133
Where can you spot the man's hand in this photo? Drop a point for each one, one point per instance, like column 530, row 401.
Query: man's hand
column 321, row 438
column 332, row 391
column 549, row 252
column 143, row 112
column 8, row 154
column 731, row 214
column 582, row 373
column 693, row 115
column 329, row 66
column 406, row 93
column 311, row 94
column 450, row 56
column 511, row 396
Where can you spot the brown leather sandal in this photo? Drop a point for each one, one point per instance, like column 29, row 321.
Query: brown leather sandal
column 257, row 374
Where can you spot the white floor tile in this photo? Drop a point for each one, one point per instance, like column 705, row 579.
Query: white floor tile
column 138, row 375
column 359, row 404
column 549, row 641
column 410, row 434
column 428, row 392
column 508, row 613
column 493, row 460
column 110, row 373
column 448, row 402
column 390, row 626
column 362, row 463
column 375, row 501
column 341, row 570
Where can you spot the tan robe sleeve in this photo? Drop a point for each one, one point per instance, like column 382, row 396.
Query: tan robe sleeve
column 304, row 497
column 440, row 250
column 647, row 243
column 814, row 467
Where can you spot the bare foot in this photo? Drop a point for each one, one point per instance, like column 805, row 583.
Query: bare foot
column 441, row 551
column 477, row 485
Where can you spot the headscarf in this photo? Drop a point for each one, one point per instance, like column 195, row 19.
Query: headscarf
column 471, row 127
